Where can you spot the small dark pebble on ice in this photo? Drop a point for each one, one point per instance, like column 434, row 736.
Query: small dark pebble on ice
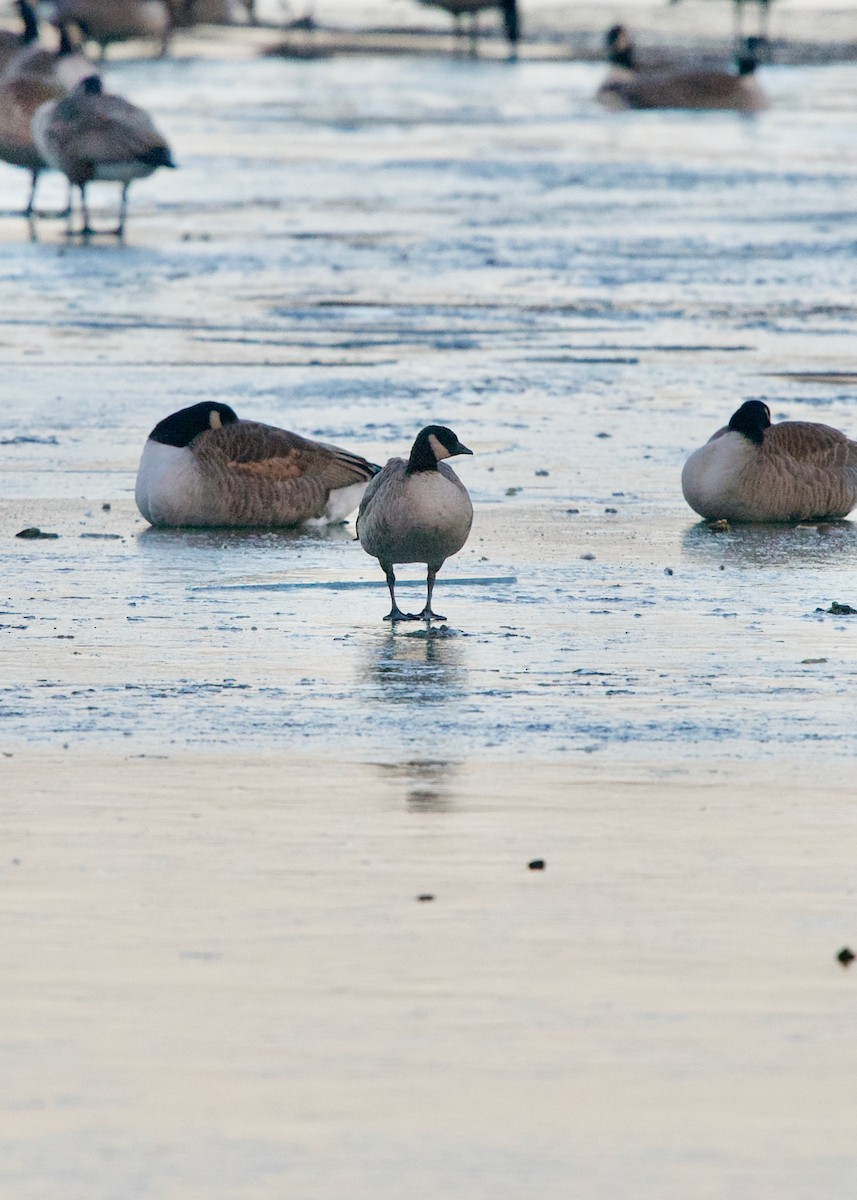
column 513, row 491
column 846, row 956
column 572, row 512
column 611, row 510
column 105, row 507
column 542, row 473
column 668, row 571
column 589, row 557
column 33, row 531
column 838, row 610
column 537, row 864
column 603, row 435
column 425, row 896
column 111, row 536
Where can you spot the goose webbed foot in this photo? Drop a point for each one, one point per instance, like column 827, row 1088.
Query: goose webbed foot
column 395, row 614
column 428, row 615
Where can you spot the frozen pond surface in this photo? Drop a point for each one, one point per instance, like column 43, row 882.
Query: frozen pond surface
column 353, row 248
column 225, row 784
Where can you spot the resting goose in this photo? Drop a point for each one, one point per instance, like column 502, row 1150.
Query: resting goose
column 202, row 466
column 672, row 87
column 752, row 470
column 94, row 135
column 416, row 511
column 472, row 8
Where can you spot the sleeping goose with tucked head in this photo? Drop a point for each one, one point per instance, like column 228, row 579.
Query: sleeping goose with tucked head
column 752, row 470
column 417, row 511
column 202, row 466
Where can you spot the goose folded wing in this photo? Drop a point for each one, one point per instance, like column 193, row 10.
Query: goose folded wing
column 114, row 131
column 812, row 443
column 252, row 450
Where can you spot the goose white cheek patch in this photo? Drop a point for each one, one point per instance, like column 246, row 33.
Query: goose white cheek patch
column 438, row 450
column 215, row 420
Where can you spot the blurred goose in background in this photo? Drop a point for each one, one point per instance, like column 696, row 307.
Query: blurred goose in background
column 92, row 135
column 64, row 66
column 184, row 14
column 11, row 44
column 626, row 86
column 33, row 77
column 752, row 470
column 472, row 8
column 20, row 99
column 107, row 21
column 417, row 511
column 202, row 466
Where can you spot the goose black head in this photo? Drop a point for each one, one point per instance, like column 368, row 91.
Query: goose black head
column 620, row 49
column 750, row 52
column 751, row 420
column 432, row 444
column 91, row 86
column 183, row 426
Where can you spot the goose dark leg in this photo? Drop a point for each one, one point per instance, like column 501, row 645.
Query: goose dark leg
column 69, row 216
column 30, row 210
column 395, row 613
column 86, row 230
column 427, row 614
column 123, row 212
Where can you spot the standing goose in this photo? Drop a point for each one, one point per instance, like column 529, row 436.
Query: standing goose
column 107, row 21
column 20, row 98
column 752, row 470
column 202, row 466
column 675, row 87
column 33, row 77
column 417, row 511
column 94, row 135
column 472, row 8
column 65, row 66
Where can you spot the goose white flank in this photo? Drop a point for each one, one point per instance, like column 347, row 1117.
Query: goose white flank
column 417, row 511
column 202, row 466
column 752, row 470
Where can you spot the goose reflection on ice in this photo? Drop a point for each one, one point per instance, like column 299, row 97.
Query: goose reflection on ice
column 418, row 667
column 427, row 783
column 774, row 545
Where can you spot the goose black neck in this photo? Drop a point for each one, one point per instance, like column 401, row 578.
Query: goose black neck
column 422, row 455
column 31, row 23
column 512, row 21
